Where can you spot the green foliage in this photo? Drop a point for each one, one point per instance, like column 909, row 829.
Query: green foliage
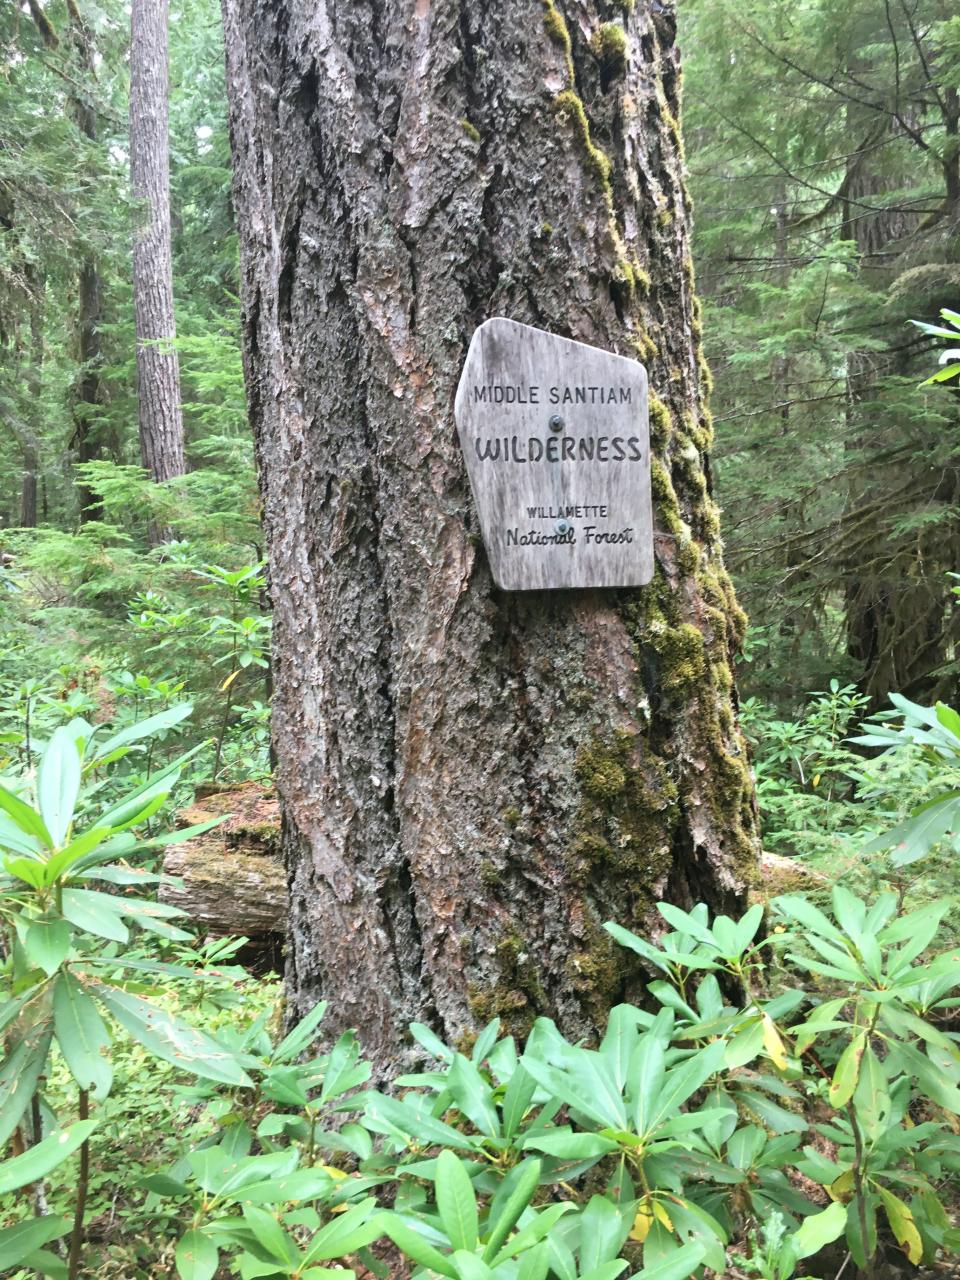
column 775, row 1254
column 662, row 1105
column 878, row 1053
column 792, row 1079
column 823, row 164
column 87, row 591
column 827, row 793
column 795, row 1043
column 68, row 830
column 144, row 1125
column 950, row 329
column 806, row 772
column 112, row 648
column 680, row 1108
column 254, row 1207
column 64, row 207
column 932, row 735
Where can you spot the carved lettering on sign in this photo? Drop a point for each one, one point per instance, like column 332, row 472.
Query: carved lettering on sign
column 555, row 436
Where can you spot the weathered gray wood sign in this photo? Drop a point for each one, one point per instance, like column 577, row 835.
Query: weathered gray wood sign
column 556, row 440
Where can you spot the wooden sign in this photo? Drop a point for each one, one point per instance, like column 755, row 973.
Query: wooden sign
column 555, row 435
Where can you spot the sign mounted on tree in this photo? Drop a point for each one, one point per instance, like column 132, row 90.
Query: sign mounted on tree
column 556, row 440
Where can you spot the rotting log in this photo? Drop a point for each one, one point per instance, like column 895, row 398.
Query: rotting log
column 230, row 880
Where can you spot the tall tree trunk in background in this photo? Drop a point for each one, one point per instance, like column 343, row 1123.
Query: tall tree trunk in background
column 28, row 444
column 473, row 780
column 31, row 446
column 28, row 488
column 26, row 363
column 89, row 391
column 896, row 592
column 88, row 394
column 158, row 370
column 792, row 515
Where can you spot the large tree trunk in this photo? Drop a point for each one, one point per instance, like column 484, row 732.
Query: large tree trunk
column 473, row 780
column 158, row 370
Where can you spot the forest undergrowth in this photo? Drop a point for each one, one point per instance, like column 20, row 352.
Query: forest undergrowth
column 783, row 1099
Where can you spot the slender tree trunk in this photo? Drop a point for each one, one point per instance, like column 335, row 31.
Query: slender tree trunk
column 27, row 441
column 89, row 392
column 473, row 780
column 28, row 481
column 792, row 516
column 25, row 357
column 951, row 152
column 88, row 396
column 158, row 370
column 31, row 453
column 89, row 346
column 28, row 493
column 27, row 361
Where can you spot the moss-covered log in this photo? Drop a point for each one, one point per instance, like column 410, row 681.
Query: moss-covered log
column 474, row 781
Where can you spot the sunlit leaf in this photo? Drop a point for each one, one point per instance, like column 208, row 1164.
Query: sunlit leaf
column 58, row 783
column 166, row 1036
column 46, row 1155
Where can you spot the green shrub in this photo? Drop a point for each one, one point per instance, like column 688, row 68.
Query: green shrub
column 794, row 1080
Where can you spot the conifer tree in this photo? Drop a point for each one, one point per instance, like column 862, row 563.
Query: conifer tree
column 473, row 780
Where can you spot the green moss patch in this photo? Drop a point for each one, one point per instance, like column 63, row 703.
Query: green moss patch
column 570, row 108
column 610, row 47
column 556, row 27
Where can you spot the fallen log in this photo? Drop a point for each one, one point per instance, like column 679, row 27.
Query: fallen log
column 230, row 881
column 779, row 874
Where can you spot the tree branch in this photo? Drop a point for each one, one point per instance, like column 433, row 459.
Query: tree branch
column 908, row 129
column 43, row 24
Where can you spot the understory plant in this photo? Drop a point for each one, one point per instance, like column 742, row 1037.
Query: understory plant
column 69, row 897
column 931, row 737
column 806, row 771
column 791, row 1084
column 949, row 359
column 831, row 789
column 713, row 1114
column 795, row 1084
column 78, row 610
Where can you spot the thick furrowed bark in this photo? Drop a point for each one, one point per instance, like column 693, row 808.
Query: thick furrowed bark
column 472, row 780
